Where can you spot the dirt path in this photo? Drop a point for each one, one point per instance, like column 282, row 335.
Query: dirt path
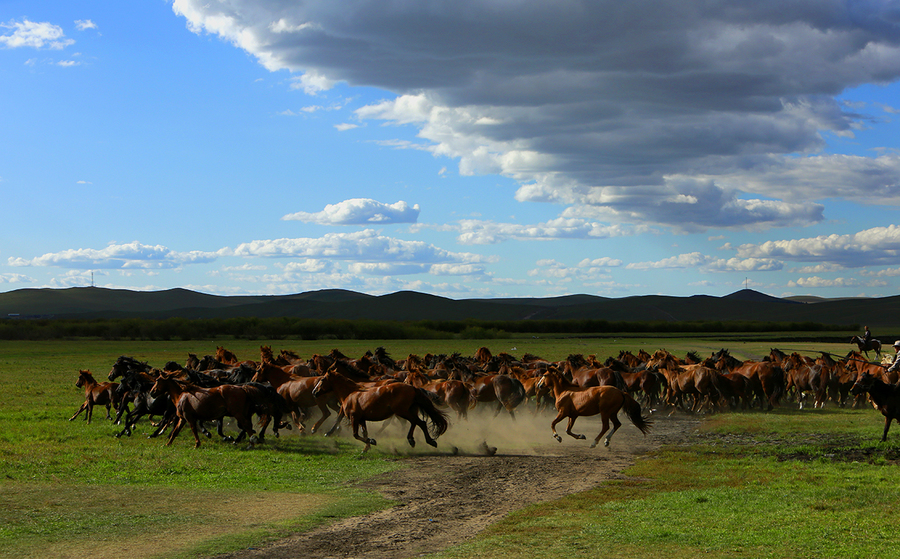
column 445, row 499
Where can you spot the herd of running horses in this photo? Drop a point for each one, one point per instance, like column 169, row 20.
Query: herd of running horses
column 285, row 390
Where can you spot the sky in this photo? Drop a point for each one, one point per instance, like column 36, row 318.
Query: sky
column 462, row 148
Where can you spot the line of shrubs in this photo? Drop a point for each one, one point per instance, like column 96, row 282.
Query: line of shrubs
column 310, row 329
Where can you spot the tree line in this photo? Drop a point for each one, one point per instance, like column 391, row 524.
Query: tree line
column 313, row 329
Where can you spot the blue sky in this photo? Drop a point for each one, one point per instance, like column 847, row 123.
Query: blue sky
column 459, row 148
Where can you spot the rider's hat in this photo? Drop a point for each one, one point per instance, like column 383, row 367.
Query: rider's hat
column 897, row 343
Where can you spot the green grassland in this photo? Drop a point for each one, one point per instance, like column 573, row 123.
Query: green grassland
column 755, row 484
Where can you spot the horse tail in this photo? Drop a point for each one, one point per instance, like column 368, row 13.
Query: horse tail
column 779, row 384
column 518, row 394
column 439, row 418
column 633, row 410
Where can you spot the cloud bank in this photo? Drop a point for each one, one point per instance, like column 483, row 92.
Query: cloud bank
column 688, row 114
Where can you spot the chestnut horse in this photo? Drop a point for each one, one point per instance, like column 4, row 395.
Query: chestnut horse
column 95, row 394
column 377, row 403
column 194, row 404
column 573, row 402
column 297, row 393
column 885, row 396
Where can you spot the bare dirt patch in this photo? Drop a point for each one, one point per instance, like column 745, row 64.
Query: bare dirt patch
column 446, row 497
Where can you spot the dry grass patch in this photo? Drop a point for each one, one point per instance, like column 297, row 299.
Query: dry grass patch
column 112, row 522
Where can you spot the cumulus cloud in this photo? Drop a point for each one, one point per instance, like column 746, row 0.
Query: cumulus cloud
column 478, row 232
column 872, row 247
column 817, row 282
column 15, row 278
column 683, row 113
column 33, row 34
column 360, row 211
column 364, row 246
column 85, row 24
column 124, row 256
column 709, row 264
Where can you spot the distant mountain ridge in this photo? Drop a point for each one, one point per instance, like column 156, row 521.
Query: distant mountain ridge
column 743, row 305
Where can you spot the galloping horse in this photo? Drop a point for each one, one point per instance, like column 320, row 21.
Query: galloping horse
column 194, row 404
column 95, row 393
column 885, row 396
column 297, row 393
column 378, row 403
column 864, row 347
column 573, row 402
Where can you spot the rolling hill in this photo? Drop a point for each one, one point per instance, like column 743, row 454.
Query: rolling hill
column 744, row 305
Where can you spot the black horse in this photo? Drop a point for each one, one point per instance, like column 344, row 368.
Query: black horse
column 135, row 386
column 885, row 396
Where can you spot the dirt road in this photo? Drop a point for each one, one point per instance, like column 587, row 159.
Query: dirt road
column 448, row 496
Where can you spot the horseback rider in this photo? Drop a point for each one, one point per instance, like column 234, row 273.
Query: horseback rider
column 896, row 364
column 867, row 337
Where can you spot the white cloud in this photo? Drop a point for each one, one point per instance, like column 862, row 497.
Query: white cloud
column 85, row 24
column 363, row 246
column 360, row 211
column 477, row 232
column 36, row 35
column 124, row 256
column 871, row 247
column 817, row 282
column 15, row 278
column 344, row 126
column 709, row 264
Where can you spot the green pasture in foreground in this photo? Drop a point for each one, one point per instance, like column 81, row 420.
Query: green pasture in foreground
column 782, row 484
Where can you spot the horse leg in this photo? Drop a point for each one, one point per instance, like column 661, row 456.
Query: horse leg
column 337, row 424
column 887, row 425
column 326, row 413
column 569, row 429
column 616, row 424
column 357, row 424
column 175, row 430
column 81, row 409
column 602, row 431
column 559, row 417
column 193, row 423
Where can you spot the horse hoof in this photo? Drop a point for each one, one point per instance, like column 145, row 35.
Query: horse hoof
column 412, row 442
column 372, row 442
column 581, row 437
column 594, row 444
column 432, row 443
column 558, row 438
column 606, row 442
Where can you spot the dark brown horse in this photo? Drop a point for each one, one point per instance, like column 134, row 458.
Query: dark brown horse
column 194, row 404
column 885, row 396
column 864, row 347
column 297, row 392
column 506, row 390
column 573, row 402
column 804, row 375
column 378, row 403
column 95, row 394
column 452, row 392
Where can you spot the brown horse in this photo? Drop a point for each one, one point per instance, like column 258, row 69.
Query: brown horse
column 864, row 347
column 452, row 392
column 885, row 396
column 804, row 375
column 95, row 394
column 297, row 392
column 378, row 403
column 194, row 404
column 573, row 402
column 506, row 390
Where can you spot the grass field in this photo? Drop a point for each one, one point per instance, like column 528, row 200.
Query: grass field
column 782, row 484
